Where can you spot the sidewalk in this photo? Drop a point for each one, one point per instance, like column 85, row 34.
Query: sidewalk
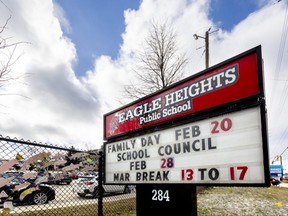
column 283, row 184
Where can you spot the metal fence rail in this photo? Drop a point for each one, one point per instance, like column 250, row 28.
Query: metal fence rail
column 41, row 179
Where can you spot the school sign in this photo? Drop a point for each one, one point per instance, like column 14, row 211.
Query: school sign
column 209, row 129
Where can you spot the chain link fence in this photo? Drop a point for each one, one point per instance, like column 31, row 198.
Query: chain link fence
column 41, row 179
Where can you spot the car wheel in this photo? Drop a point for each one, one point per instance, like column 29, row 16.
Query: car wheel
column 96, row 193
column 81, row 194
column 39, row 198
column 127, row 190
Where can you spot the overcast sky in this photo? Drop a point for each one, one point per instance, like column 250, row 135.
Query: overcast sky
column 80, row 53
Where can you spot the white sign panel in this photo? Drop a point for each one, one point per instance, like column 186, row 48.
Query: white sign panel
column 225, row 149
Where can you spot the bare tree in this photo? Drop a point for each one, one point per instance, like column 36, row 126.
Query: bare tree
column 7, row 53
column 159, row 64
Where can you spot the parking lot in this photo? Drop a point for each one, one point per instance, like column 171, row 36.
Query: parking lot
column 47, row 174
column 65, row 197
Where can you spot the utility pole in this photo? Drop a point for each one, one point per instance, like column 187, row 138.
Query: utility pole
column 207, row 48
column 206, row 38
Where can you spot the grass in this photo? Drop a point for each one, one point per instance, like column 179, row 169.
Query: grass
column 120, row 208
column 243, row 201
column 84, row 210
column 125, row 207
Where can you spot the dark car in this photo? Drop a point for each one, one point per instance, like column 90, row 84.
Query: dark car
column 274, row 181
column 31, row 193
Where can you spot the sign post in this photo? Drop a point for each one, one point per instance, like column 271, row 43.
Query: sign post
column 209, row 130
column 166, row 200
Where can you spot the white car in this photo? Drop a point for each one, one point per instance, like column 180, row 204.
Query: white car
column 88, row 185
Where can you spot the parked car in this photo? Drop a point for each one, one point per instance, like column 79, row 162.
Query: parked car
column 88, row 185
column 274, row 181
column 74, row 176
column 285, row 178
column 52, row 178
column 59, row 178
column 30, row 194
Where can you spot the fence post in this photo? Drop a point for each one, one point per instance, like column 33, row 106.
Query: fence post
column 100, row 184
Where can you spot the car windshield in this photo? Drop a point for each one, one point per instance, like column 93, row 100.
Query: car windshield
column 17, row 180
column 87, row 178
column 10, row 174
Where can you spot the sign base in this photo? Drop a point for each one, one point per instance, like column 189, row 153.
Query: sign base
column 168, row 200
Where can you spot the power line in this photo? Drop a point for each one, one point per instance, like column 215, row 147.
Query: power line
column 281, row 48
column 280, row 107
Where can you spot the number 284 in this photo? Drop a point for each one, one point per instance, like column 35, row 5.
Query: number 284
column 160, row 195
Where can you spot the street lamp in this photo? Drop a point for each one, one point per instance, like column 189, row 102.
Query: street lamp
column 197, row 36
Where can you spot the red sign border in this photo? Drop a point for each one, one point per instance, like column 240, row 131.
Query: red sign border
column 230, row 105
